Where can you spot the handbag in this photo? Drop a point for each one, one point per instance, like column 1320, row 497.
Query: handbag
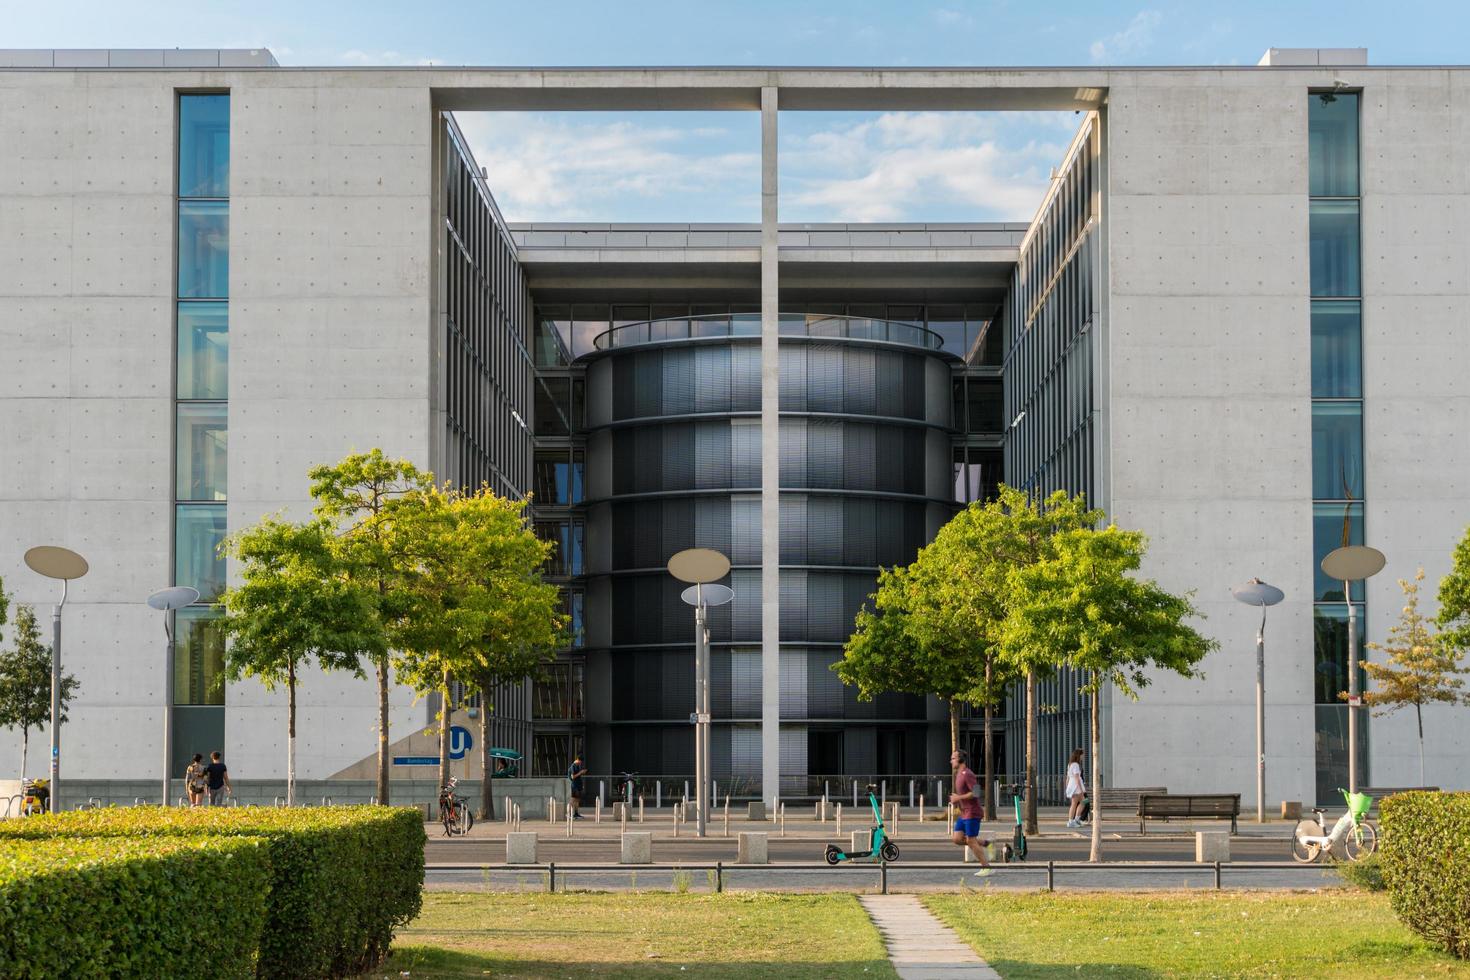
column 1086, row 812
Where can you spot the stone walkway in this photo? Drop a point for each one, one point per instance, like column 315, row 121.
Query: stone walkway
column 919, row 945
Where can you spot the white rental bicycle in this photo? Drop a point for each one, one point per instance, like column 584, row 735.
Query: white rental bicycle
column 1353, row 831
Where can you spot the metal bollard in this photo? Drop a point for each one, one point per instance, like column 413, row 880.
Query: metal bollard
column 569, row 820
column 783, row 819
column 686, row 789
column 640, row 809
column 839, row 820
column 719, row 876
column 1051, row 876
column 727, row 814
column 601, row 791
column 854, row 792
column 921, row 811
column 598, row 817
column 883, row 876
column 882, row 793
column 658, row 794
column 1217, row 876
column 551, row 877
column 911, row 794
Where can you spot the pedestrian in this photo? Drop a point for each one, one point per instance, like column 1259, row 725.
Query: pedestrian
column 1076, row 791
column 967, row 798
column 217, row 777
column 575, row 772
column 196, row 780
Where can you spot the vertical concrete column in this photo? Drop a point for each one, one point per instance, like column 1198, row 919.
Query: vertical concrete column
column 770, row 461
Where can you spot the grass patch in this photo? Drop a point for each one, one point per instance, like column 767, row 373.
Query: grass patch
column 1230, row 934
column 478, row 934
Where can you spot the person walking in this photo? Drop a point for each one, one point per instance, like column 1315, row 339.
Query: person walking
column 196, row 780
column 967, row 798
column 575, row 772
column 217, row 778
column 1076, row 790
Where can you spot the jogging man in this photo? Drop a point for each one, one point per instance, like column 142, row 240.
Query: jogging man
column 575, row 772
column 966, row 796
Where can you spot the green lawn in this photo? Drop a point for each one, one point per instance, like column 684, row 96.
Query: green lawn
column 1351, row 934
column 479, row 934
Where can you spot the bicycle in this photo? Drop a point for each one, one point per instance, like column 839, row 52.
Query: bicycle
column 1353, row 830
column 454, row 812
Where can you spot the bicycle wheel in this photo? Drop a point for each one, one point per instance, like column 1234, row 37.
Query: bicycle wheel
column 1302, row 850
column 463, row 818
column 1360, row 841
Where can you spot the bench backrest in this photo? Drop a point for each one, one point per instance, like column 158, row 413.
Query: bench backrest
column 1188, row 805
column 1127, row 796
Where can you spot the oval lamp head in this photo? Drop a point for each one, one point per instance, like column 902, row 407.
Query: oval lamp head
column 56, row 562
column 1258, row 593
column 174, row 597
column 714, row 594
column 699, row 565
column 1353, row 562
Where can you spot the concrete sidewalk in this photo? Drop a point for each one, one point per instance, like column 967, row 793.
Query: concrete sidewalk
column 920, row 947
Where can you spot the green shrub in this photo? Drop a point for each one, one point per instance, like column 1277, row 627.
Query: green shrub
column 342, row 878
column 132, row 907
column 1426, row 865
column 1365, row 873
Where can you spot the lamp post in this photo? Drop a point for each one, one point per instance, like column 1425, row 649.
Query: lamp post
column 703, row 567
column 1348, row 564
column 167, row 601
column 1258, row 593
column 56, row 562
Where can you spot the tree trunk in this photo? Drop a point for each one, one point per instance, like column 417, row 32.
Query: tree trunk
column 1097, row 781
column 954, row 726
column 444, row 734
column 487, row 764
column 989, row 764
column 1419, row 713
column 1031, row 827
column 290, row 734
column 383, row 757
column 25, row 744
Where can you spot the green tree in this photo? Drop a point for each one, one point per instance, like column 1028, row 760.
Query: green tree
column 1454, row 598
column 291, row 606
column 1082, row 604
column 479, row 611
column 25, row 681
column 1420, row 668
column 353, row 495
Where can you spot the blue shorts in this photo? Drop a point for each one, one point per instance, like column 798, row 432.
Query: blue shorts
column 969, row 826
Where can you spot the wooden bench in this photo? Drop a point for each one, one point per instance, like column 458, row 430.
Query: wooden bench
column 1125, row 797
column 1188, row 806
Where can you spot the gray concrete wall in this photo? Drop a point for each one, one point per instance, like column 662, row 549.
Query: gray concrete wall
column 1416, row 397
column 1208, row 348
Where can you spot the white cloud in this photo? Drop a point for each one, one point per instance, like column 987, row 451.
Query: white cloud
column 1131, row 40
column 546, row 168
column 922, row 166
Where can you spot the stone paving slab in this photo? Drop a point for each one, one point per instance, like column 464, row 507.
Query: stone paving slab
column 920, row 947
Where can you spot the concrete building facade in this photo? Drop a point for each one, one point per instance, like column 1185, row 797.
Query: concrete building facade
column 1157, row 331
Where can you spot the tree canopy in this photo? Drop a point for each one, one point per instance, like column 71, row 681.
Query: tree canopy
column 25, row 681
column 1454, row 598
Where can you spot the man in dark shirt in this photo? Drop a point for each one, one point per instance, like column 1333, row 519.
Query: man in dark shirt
column 575, row 772
column 219, row 780
column 966, row 797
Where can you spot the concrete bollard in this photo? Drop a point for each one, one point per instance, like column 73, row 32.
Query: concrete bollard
column 1291, row 810
column 755, row 810
column 520, row 848
column 890, row 813
column 751, row 848
column 619, row 810
column 1211, row 846
column 824, row 810
column 637, row 847
column 862, row 842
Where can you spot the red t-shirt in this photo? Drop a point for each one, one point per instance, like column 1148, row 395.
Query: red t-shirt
column 965, row 782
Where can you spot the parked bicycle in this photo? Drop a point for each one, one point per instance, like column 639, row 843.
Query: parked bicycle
column 1353, row 830
column 454, row 813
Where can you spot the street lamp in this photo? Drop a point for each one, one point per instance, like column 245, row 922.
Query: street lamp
column 166, row 601
column 702, row 567
column 1258, row 593
column 61, row 563
column 1348, row 564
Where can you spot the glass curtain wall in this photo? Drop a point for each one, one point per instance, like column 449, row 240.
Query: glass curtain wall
column 201, row 436
column 1337, row 418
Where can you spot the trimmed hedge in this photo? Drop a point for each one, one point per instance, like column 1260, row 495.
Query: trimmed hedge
column 342, row 878
column 134, row 908
column 1426, row 865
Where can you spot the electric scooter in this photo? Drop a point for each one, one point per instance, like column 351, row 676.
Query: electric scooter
column 1017, row 848
column 880, row 845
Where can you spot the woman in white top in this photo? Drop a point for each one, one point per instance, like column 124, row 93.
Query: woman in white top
column 1076, row 790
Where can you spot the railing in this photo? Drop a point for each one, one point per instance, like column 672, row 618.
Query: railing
column 882, row 870
column 749, row 325
column 665, row 789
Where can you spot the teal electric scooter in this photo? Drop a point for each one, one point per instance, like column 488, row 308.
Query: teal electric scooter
column 881, row 846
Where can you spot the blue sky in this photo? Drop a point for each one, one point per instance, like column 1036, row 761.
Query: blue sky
column 703, row 166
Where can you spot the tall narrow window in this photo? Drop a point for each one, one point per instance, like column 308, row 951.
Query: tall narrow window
column 201, row 430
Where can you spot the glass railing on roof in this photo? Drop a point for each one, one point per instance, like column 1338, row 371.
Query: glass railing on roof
column 749, row 325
